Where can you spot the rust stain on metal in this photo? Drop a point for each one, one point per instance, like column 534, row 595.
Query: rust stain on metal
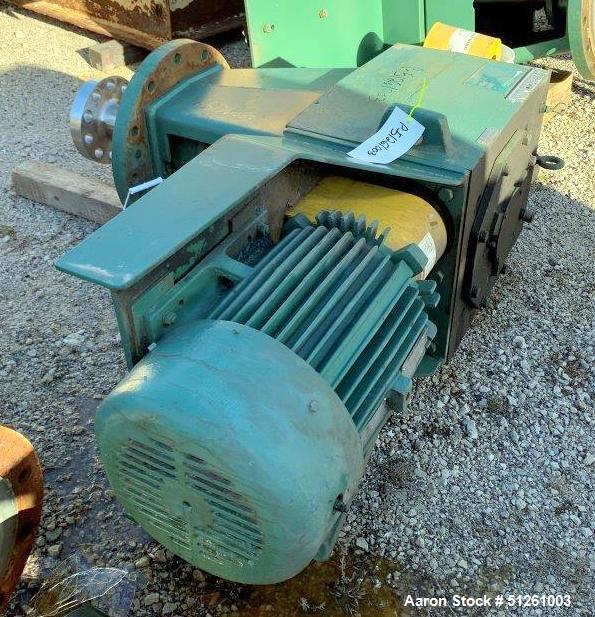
column 148, row 16
column 200, row 18
column 20, row 466
column 147, row 23
column 180, row 63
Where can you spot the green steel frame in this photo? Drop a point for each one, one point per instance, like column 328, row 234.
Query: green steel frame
column 273, row 133
column 348, row 33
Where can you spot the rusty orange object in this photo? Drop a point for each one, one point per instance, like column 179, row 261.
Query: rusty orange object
column 161, row 71
column 21, row 486
column 146, row 23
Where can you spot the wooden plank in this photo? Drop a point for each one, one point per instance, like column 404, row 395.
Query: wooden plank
column 94, row 24
column 66, row 191
column 559, row 94
column 113, row 54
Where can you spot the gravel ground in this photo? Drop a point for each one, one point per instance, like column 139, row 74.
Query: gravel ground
column 484, row 485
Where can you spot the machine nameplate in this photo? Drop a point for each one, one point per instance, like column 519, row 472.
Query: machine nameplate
column 526, row 86
column 428, row 246
column 495, row 76
column 415, row 357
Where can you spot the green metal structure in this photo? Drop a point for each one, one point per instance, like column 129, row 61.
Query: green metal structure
column 348, row 33
column 263, row 343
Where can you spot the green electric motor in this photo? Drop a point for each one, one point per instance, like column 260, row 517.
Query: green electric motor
column 239, row 440
column 348, row 33
column 275, row 296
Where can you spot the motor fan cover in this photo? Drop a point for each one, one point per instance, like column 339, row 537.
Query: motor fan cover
column 231, row 451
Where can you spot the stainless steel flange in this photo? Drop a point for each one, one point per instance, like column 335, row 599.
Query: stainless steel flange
column 93, row 116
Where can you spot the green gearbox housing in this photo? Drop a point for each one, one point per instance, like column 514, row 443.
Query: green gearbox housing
column 268, row 346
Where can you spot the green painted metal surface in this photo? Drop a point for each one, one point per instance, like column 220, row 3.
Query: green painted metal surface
column 234, row 472
column 552, row 47
column 348, row 33
column 345, row 304
column 161, row 232
column 341, row 33
column 460, row 13
column 201, row 110
column 466, row 131
column 257, row 387
column 242, row 479
column 283, row 35
column 396, row 77
column 404, row 21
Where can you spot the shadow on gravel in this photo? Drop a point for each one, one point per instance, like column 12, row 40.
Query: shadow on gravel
column 18, row 13
column 584, row 87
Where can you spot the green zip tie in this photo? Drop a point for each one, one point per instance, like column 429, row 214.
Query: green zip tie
column 420, row 98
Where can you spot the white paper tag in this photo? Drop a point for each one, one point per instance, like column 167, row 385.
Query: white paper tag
column 428, row 246
column 397, row 135
column 139, row 188
column 461, row 41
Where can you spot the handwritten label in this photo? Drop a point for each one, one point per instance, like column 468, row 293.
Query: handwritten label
column 397, row 136
column 461, row 41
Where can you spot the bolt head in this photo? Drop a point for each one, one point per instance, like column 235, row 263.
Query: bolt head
column 169, row 318
column 445, row 194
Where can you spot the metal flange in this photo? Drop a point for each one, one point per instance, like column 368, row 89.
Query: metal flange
column 93, row 116
column 21, row 494
column 161, row 70
column 581, row 34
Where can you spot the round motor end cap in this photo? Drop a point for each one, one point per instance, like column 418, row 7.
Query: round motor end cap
column 231, row 451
